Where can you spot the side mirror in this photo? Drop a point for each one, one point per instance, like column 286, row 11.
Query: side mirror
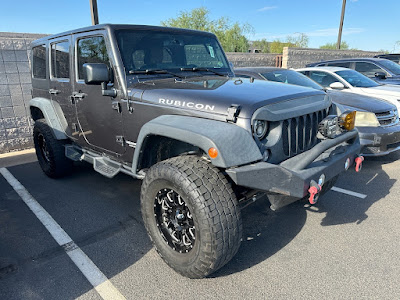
column 96, row 73
column 380, row 75
column 337, row 86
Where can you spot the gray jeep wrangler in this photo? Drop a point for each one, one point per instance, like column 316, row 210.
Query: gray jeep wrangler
column 163, row 105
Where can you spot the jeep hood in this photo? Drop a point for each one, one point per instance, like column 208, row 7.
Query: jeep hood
column 216, row 95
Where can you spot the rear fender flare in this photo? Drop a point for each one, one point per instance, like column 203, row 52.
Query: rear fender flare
column 53, row 114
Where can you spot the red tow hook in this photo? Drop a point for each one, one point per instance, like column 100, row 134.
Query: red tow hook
column 314, row 190
column 359, row 160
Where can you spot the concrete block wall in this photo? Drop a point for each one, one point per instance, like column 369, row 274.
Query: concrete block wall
column 252, row 59
column 299, row 57
column 15, row 91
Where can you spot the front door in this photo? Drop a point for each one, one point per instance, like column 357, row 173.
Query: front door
column 100, row 123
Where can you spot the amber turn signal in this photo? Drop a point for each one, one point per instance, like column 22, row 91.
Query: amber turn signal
column 212, row 152
column 347, row 120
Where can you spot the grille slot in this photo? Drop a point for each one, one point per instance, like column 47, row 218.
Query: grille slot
column 387, row 118
column 299, row 134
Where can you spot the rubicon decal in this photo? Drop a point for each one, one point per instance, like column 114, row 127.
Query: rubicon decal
column 186, row 104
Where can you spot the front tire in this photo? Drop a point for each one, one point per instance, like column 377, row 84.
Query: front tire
column 191, row 214
column 50, row 151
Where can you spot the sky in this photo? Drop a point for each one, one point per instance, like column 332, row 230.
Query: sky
column 368, row 24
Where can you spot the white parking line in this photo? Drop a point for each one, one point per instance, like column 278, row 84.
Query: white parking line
column 347, row 192
column 98, row 280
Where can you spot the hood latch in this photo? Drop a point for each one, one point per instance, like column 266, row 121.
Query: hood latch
column 233, row 113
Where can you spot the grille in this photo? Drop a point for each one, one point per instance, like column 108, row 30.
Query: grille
column 387, row 118
column 299, row 134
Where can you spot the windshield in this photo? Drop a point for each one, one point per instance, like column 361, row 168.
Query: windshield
column 291, row 77
column 391, row 66
column 356, row 79
column 169, row 51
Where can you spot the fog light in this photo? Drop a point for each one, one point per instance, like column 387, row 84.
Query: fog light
column 329, row 127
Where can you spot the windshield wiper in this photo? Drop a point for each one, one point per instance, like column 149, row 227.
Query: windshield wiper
column 152, row 72
column 203, row 70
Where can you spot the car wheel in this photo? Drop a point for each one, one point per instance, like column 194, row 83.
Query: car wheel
column 50, row 151
column 191, row 214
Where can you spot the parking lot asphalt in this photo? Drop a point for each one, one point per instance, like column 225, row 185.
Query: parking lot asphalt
column 345, row 247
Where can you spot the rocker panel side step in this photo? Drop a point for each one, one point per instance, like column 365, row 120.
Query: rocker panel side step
column 106, row 166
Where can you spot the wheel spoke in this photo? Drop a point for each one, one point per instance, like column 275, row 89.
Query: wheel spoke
column 174, row 220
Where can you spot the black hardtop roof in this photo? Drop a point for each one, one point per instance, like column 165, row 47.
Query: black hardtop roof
column 112, row 27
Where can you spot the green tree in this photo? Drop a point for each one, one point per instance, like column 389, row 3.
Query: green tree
column 299, row 40
column 231, row 35
column 277, row 46
column 332, row 46
column 262, row 45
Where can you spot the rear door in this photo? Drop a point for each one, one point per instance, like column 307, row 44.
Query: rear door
column 60, row 80
column 99, row 117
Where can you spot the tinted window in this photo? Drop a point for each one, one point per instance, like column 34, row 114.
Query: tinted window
column 368, row 69
column 291, row 77
column 203, row 56
column 150, row 50
column 60, row 60
column 323, row 78
column 39, row 62
column 391, row 66
column 339, row 64
column 356, row 79
column 91, row 50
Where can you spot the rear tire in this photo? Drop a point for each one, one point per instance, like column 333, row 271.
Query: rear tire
column 50, row 151
column 191, row 214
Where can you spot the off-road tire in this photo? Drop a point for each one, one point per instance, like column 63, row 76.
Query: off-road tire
column 213, row 205
column 54, row 163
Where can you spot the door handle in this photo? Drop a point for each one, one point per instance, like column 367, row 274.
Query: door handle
column 54, row 91
column 78, row 96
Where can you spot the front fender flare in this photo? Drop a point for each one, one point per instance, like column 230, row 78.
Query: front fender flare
column 235, row 145
column 53, row 114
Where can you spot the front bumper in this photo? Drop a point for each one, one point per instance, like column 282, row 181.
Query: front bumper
column 292, row 177
column 378, row 141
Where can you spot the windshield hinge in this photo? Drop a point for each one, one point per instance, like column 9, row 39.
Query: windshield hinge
column 120, row 140
column 233, row 113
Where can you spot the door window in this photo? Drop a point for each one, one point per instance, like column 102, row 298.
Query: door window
column 368, row 69
column 323, row 78
column 91, row 50
column 60, row 60
column 340, row 64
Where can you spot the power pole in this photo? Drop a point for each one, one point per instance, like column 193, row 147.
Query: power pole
column 339, row 39
column 94, row 12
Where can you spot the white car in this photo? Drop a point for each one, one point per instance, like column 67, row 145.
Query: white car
column 351, row 81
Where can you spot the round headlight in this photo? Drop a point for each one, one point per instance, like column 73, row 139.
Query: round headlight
column 260, row 128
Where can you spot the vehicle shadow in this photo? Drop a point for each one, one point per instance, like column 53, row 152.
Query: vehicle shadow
column 101, row 215
column 265, row 232
column 372, row 181
column 106, row 212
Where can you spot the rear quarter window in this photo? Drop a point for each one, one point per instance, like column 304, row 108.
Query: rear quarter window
column 39, row 62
